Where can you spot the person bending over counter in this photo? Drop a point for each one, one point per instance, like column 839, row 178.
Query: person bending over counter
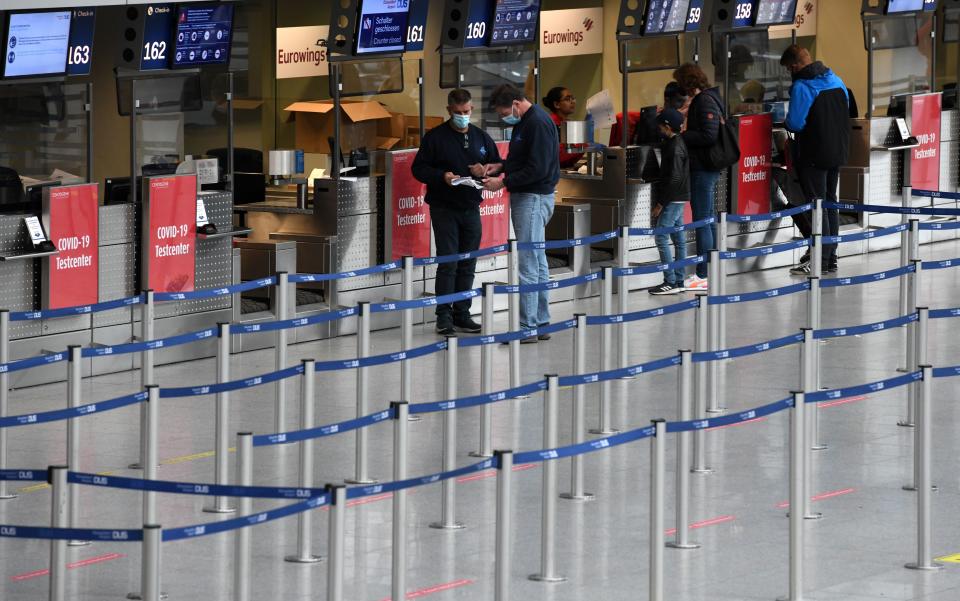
column 448, row 153
column 532, row 170
column 562, row 104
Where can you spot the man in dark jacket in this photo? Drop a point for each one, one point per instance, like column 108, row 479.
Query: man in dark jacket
column 671, row 195
column 447, row 153
column 819, row 117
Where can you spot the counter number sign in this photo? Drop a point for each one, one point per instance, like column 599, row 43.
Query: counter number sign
column 743, row 14
column 695, row 16
column 81, row 41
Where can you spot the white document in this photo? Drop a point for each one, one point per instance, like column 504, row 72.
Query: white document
column 36, row 231
column 600, row 107
column 201, row 213
column 208, row 171
column 466, row 181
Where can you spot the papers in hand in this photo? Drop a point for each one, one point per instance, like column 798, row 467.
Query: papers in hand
column 600, row 107
column 466, row 181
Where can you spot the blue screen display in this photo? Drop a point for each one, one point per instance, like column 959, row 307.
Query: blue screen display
column 515, row 22
column 929, row 4
column 666, row 16
column 743, row 13
column 36, row 44
column 157, row 33
column 695, row 16
column 80, row 55
column 776, row 12
column 416, row 23
column 904, row 6
column 477, row 32
column 382, row 26
column 203, row 35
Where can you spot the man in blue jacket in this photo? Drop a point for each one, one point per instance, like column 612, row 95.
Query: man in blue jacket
column 819, row 117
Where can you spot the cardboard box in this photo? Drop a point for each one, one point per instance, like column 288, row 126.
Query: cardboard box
column 360, row 126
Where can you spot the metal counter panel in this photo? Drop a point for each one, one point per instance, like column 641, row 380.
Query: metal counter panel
column 21, row 280
column 950, row 126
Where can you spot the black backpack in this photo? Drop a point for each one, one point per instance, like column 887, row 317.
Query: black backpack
column 726, row 150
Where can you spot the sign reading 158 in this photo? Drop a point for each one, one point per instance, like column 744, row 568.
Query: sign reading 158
column 744, row 11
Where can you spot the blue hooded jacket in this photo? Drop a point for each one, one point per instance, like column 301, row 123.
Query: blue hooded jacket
column 819, row 115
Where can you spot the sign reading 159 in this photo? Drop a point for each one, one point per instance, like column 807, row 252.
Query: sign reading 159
column 695, row 15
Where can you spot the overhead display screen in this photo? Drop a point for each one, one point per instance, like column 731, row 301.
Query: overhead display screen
column 515, row 22
column 776, row 12
column 203, row 35
column 695, row 16
column 36, row 44
column 157, row 33
column 904, row 6
column 743, row 14
column 80, row 55
column 382, row 26
column 666, row 16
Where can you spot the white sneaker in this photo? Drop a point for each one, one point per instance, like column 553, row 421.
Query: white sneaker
column 696, row 283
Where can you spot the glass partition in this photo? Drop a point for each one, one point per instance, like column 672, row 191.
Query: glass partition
column 753, row 71
column 900, row 61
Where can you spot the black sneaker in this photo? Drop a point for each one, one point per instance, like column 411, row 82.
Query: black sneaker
column 543, row 337
column 802, row 269
column 466, row 326
column 831, row 268
column 445, row 327
column 530, row 340
column 663, row 288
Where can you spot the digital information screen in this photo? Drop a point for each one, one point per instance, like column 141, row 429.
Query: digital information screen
column 904, row 6
column 666, row 16
column 157, row 33
column 36, row 44
column 515, row 22
column 695, row 16
column 382, row 26
column 776, row 12
column 203, row 35
column 81, row 41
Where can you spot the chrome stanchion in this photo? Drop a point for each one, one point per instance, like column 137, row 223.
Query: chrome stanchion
column 4, row 396
column 797, row 492
column 74, row 399
column 714, row 403
column 221, row 449
column 305, row 518
column 605, row 426
column 150, row 461
column 363, row 393
column 59, row 518
column 684, row 413
column 241, row 552
column 906, row 202
column 701, row 325
column 336, row 546
column 548, row 515
column 147, row 314
column 623, row 298
column 808, row 374
column 513, row 277
column 913, row 294
column 578, row 434
column 920, row 354
column 398, row 572
column 280, row 352
column 501, row 586
column 722, row 275
column 486, row 374
column 814, row 304
column 150, row 562
column 448, row 519
column 406, row 333
column 923, row 450
column 658, row 468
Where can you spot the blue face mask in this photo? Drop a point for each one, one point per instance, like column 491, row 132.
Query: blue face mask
column 461, row 121
column 511, row 119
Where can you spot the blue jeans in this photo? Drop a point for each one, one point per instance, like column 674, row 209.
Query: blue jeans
column 530, row 214
column 703, row 192
column 672, row 216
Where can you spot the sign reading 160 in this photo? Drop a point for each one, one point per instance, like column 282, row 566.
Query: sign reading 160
column 476, row 31
column 744, row 10
column 153, row 51
column 79, row 55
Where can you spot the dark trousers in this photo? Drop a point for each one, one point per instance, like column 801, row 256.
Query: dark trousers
column 822, row 183
column 455, row 231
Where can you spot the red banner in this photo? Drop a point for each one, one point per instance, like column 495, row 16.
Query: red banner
column 753, row 171
column 71, row 216
column 495, row 210
column 172, row 224
column 410, row 225
column 925, row 114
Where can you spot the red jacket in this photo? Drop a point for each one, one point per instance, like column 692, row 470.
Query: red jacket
column 567, row 159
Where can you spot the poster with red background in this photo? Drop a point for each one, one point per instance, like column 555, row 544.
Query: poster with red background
column 925, row 111
column 753, row 170
column 71, row 220
column 172, row 233
column 495, row 210
column 410, row 226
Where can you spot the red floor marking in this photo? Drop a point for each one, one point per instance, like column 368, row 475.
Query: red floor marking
column 70, row 566
column 822, row 496
column 749, row 421
column 492, row 473
column 435, row 589
column 723, row 519
column 852, row 399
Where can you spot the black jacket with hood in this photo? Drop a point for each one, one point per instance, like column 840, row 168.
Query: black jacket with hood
column 703, row 126
column 820, row 117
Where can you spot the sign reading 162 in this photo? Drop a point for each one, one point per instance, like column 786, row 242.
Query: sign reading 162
column 154, row 51
column 79, row 55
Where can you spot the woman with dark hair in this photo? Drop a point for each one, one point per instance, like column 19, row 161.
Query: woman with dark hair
column 702, row 133
column 562, row 104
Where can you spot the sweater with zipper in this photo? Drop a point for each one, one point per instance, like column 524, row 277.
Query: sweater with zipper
column 533, row 163
column 674, row 182
column 445, row 149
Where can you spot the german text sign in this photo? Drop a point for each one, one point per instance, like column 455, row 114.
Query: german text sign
column 753, row 171
column 495, row 210
column 925, row 110
column 71, row 220
column 409, row 225
column 171, row 233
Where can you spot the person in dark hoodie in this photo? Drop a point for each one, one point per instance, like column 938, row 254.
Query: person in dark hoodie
column 819, row 117
column 702, row 133
column 672, row 193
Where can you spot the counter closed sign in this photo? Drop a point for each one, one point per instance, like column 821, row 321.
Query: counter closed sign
column 495, row 210
column 753, row 174
column 173, row 233
column 925, row 112
column 72, row 274
column 410, row 227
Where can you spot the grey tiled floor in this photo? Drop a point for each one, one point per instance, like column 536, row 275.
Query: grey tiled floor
column 856, row 553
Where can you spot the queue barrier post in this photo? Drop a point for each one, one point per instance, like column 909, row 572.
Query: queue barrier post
column 398, row 571
column 406, row 332
column 501, row 587
column 486, row 373
column 714, row 404
column 605, row 425
column 816, row 224
column 74, row 399
column 808, row 368
column 906, row 202
column 147, row 377
column 513, row 278
column 797, row 492
column 363, row 394
column 623, row 298
column 4, row 396
column 221, row 449
column 241, row 552
column 151, row 461
column 336, row 545
column 699, row 465
column 59, row 518
column 811, row 382
column 280, row 352
column 305, row 518
column 922, row 449
column 912, row 361
column 920, row 354
column 578, row 427
column 722, row 277
column 448, row 520
column 548, row 499
column 658, row 459
column 684, row 413
column 150, row 562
